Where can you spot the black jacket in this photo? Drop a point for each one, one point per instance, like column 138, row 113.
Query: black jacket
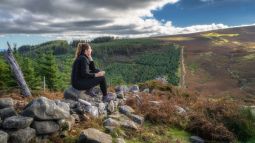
column 82, row 69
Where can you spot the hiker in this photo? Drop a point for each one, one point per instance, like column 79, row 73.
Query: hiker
column 84, row 74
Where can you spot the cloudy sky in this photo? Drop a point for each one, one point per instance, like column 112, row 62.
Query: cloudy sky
column 36, row 21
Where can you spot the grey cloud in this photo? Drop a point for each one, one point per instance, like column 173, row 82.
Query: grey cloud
column 86, row 16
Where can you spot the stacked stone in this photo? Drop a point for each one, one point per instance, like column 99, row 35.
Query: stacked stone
column 41, row 117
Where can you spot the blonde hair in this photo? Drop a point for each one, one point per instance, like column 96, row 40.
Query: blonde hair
column 81, row 49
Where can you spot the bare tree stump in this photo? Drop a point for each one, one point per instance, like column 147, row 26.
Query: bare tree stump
column 17, row 71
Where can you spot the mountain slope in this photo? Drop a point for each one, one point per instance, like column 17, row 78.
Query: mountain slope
column 221, row 62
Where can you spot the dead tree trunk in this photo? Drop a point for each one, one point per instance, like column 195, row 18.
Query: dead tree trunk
column 17, row 72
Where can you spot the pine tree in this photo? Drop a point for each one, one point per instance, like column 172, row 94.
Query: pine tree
column 33, row 80
column 48, row 68
column 6, row 78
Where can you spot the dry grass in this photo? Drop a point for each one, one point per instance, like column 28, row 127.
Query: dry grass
column 211, row 119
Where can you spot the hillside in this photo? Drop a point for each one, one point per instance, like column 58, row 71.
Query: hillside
column 219, row 63
column 216, row 67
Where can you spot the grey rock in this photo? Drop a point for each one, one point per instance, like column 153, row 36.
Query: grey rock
column 116, row 103
column 115, row 115
column 3, row 137
column 71, row 103
column 125, row 109
column 42, row 139
column 84, row 102
column 45, row 127
column 146, row 90
column 71, row 93
column 6, row 102
column 17, row 122
column 120, row 140
column 101, row 108
column 43, row 108
column 196, row 139
column 180, row 110
column 122, row 102
column 120, row 94
column 112, row 95
column 7, row 112
column 111, row 122
column 92, row 135
column 121, row 88
column 138, row 119
column 66, row 124
column 94, row 111
column 134, row 88
column 111, row 106
column 81, row 108
column 22, row 135
column 128, row 124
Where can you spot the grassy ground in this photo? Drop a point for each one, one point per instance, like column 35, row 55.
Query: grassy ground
column 153, row 133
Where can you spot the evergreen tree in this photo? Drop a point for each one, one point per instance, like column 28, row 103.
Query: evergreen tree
column 30, row 76
column 6, row 78
column 48, row 68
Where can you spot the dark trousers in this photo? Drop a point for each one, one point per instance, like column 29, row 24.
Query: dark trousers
column 91, row 82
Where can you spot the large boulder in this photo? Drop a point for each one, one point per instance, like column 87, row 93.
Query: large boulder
column 17, row 122
column 22, row 135
column 7, row 112
column 3, row 137
column 92, row 135
column 6, row 102
column 74, row 94
column 43, row 108
column 45, row 127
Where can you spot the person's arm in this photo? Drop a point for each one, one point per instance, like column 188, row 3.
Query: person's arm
column 85, row 68
column 92, row 66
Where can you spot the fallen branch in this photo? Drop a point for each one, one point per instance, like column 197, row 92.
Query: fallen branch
column 17, row 71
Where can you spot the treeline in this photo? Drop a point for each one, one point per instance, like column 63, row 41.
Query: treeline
column 125, row 61
column 58, row 47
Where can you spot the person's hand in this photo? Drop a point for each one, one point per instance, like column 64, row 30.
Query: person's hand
column 99, row 74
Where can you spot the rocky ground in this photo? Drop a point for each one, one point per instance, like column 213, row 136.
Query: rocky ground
column 36, row 121
column 42, row 116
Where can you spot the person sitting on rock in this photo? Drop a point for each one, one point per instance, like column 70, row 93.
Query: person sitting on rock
column 84, row 73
